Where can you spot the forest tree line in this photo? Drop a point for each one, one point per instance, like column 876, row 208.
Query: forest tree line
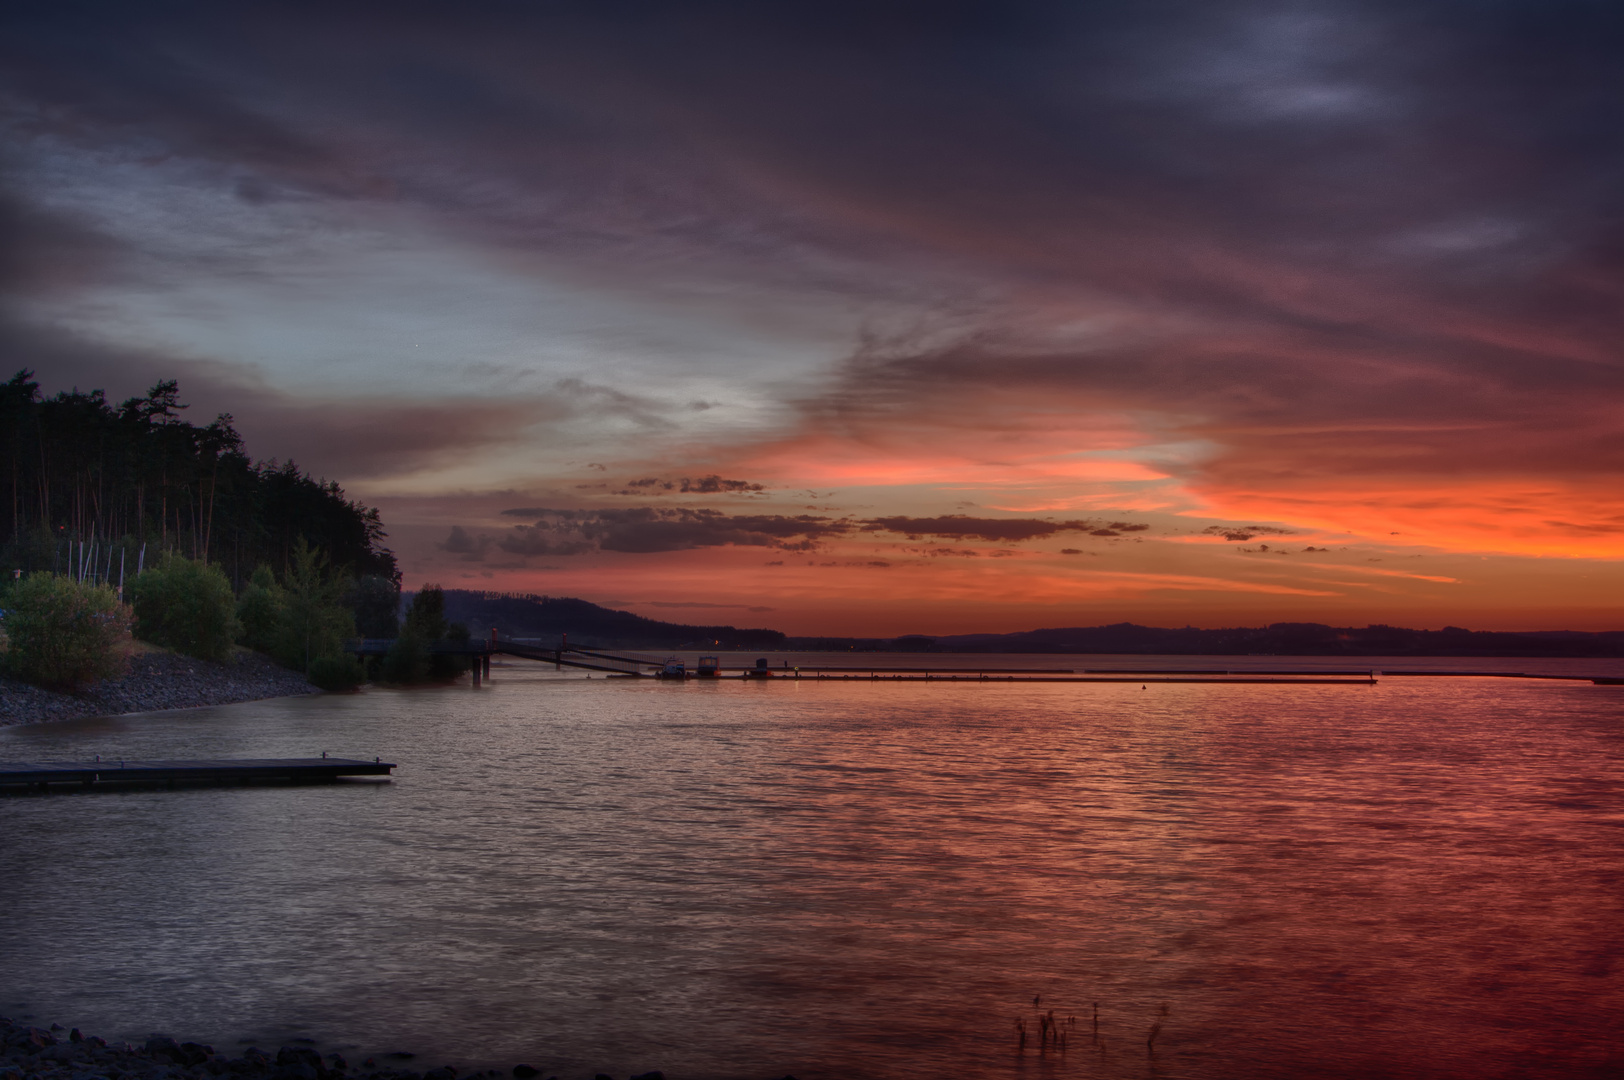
column 129, row 518
column 91, row 488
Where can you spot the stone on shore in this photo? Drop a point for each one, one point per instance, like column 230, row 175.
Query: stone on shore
column 31, row 1053
column 156, row 680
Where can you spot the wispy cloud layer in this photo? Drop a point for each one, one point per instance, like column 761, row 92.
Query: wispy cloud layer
column 1347, row 270
column 644, row 530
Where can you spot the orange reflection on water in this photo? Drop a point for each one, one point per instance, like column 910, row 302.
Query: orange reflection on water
column 861, row 879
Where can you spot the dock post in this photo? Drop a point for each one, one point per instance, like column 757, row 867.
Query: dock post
column 486, row 664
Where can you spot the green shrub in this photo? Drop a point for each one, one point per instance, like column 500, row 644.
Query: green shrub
column 450, row 665
column 186, row 605
column 336, row 672
column 64, row 633
column 426, row 616
column 375, row 600
column 407, row 660
column 314, row 621
column 259, row 610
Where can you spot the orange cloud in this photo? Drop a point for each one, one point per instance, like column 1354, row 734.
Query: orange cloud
column 946, row 457
column 1544, row 517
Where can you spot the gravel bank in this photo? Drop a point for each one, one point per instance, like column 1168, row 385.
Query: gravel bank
column 30, row 1053
column 157, row 680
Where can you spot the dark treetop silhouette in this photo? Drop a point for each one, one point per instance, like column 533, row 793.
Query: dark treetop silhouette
column 76, row 468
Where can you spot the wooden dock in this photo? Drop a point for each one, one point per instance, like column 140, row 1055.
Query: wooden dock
column 115, row 772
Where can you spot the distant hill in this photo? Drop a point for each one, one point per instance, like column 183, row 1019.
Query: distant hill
column 587, row 624
column 1280, row 639
column 528, row 615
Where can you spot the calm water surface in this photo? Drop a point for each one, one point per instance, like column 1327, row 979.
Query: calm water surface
column 856, row 879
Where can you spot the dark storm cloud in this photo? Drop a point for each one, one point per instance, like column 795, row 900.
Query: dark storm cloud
column 541, row 540
column 471, row 547
column 1393, row 245
column 44, row 251
column 649, row 529
column 354, row 440
column 963, row 527
column 1076, row 139
column 177, row 76
column 1244, row 532
column 704, row 485
column 1061, row 138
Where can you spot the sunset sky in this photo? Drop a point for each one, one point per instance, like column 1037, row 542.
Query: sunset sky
column 870, row 318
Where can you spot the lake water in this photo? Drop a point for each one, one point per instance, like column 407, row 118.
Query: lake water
column 857, row 879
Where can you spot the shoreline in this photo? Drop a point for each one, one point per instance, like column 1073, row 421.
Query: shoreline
column 157, row 680
column 58, row 1053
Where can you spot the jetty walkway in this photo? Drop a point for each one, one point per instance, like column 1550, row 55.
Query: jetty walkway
column 116, row 772
column 647, row 667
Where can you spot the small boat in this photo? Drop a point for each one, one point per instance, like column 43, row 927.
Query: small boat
column 759, row 671
column 674, row 669
column 709, row 667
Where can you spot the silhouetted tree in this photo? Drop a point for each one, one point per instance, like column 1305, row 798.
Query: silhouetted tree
column 375, row 600
column 314, row 623
column 76, row 470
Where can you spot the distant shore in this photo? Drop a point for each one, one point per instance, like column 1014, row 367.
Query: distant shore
column 156, row 680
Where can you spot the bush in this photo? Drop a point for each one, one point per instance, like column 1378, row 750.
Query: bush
column 449, row 665
column 407, row 660
column 314, row 622
column 426, row 616
column 259, row 610
column 64, row 633
column 336, row 672
column 376, row 603
column 188, row 606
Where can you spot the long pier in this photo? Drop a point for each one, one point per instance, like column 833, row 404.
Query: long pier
column 479, row 655
column 630, row 666
column 117, row 772
column 575, row 656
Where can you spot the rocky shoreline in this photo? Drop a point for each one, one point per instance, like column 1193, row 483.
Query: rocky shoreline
column 33, row 1053
column 156, row 680
column 56, row 1053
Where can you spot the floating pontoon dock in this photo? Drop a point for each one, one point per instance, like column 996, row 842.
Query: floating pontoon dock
column 114, row 772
